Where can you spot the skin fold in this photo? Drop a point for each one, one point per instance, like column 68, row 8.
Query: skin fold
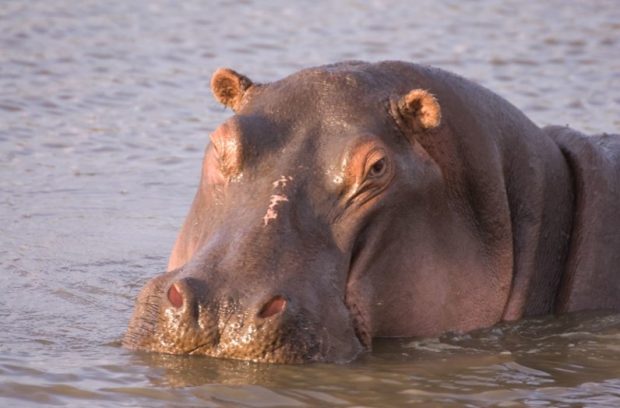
column 356, row 200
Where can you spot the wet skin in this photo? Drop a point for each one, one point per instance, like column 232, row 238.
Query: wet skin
column 356, row 200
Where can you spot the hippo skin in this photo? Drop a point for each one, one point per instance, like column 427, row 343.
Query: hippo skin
column 357, row 200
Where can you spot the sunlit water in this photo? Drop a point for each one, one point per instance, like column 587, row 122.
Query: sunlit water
column 104, row 115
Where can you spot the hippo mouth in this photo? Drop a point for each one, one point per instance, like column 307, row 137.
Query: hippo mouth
column 359, row 320
column 281, row 338
column 274, row 341
column 360, row 326
column 282, row 353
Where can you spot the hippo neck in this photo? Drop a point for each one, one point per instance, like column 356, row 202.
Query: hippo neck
column 539, row 193
column 519, row 190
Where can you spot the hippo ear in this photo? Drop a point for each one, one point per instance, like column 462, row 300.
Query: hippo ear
column 420, row 109
column 229, row 87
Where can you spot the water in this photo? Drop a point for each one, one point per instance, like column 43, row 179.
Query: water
column 104, row 114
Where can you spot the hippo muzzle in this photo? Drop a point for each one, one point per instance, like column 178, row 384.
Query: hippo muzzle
column 180, row 317
column 180, row 314
column 250, row 296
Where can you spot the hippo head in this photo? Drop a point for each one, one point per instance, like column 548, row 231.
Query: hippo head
column 304, row 194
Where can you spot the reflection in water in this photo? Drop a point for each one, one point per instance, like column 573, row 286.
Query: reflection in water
column 183, row 371
column 544, row 359
column 104, row 115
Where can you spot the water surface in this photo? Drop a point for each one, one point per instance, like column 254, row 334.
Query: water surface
column 104, row 115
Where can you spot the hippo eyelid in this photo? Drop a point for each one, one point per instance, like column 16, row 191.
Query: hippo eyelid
column 228, row 149
column 366, row 185
column 374, row 157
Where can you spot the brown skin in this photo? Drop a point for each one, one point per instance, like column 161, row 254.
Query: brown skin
column 357, row 200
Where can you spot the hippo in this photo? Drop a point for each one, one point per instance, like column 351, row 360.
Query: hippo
column 360, row 200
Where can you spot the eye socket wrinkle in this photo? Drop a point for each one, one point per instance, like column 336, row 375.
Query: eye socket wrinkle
column 369, row 172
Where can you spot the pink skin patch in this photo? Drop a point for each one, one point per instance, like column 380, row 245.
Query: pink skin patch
column 275, row 199
column 271, row 213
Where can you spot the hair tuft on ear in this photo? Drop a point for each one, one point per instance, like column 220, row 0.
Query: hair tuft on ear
column 228, row 87
column 421, row 109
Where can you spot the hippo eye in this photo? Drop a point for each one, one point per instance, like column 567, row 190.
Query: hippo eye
column 368, row 172
column 378, row 168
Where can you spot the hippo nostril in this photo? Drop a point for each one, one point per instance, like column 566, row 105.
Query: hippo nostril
column 272, row 307
column 175, row 297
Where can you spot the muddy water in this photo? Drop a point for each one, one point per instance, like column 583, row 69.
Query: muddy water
column 104, row 114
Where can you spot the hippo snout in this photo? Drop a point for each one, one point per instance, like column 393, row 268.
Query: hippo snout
column 187, row 316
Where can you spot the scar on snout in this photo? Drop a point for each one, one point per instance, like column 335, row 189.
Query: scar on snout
column 281, row 182
column 271, row 213
column 275, row 199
